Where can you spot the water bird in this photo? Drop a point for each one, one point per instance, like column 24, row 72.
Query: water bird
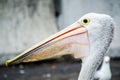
column 87, row 39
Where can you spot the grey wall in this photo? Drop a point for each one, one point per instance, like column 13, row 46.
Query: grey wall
column 72, row 10
column 24, row 23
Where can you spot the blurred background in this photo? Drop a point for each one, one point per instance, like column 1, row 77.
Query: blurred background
column 24, row 23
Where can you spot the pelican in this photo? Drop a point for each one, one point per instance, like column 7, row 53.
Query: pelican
column 87, row 39
column 104, row 73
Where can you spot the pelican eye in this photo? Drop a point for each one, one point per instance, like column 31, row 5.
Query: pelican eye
column 85, row 21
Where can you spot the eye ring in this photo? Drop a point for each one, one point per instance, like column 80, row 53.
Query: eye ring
column 85, row 21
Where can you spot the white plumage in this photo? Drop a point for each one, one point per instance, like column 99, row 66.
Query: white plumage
column 100, row 32
column 105, row 72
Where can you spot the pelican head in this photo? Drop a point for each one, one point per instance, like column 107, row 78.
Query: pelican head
column 100, row 31
column 87, row 39
column 100, row 27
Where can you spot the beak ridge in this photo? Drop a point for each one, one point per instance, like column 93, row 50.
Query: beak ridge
column 53, row 46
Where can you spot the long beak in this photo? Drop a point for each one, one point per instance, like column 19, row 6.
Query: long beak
column 67, row 41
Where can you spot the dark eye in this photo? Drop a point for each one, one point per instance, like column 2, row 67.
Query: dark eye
column 85, row 21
